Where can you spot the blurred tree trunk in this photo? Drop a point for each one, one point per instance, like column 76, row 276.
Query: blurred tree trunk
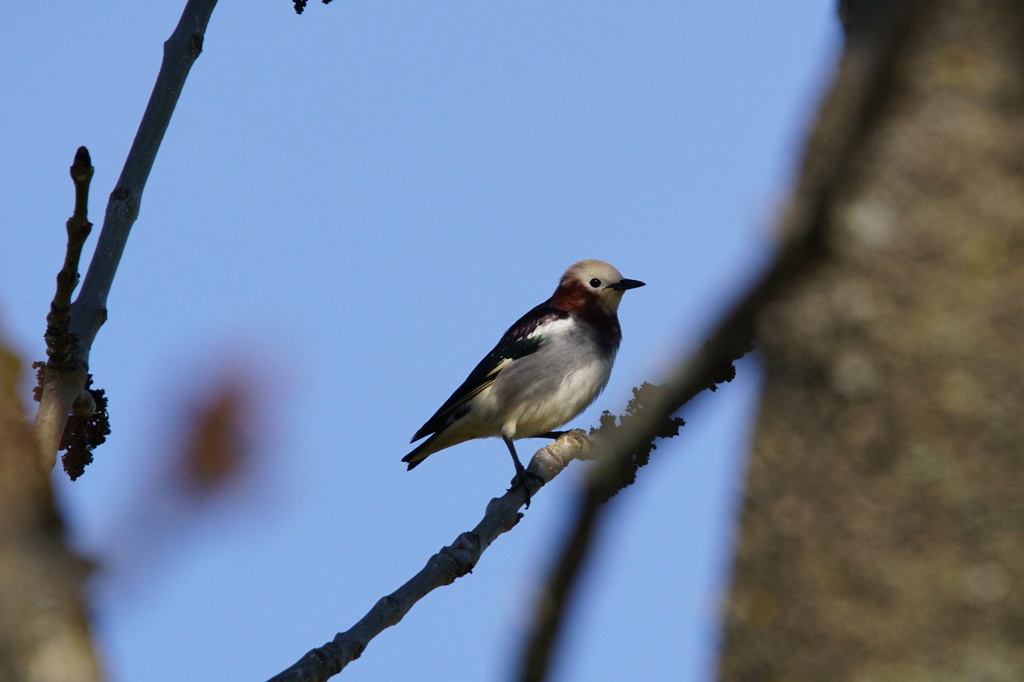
column 882, row 531
column 44, row 633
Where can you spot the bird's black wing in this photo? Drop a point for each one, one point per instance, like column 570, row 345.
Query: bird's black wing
column 522, row 338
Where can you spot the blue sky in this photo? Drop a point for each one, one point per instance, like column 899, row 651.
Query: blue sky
column 348, row 209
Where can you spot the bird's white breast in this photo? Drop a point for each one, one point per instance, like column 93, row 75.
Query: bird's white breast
column 545, row 389
column 572, row 395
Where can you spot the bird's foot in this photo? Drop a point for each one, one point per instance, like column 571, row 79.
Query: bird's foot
column 553, row 435
column 522, row 478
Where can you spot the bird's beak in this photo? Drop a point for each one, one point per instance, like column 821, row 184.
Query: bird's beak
column 624, row 284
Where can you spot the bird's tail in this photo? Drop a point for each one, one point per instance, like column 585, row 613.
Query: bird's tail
column 422, row 451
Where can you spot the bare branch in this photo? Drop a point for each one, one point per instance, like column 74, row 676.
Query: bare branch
column 63, row 384
column 453, row 561
column 58, row 340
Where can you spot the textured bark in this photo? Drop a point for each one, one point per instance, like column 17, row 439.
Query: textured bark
column 882, row 532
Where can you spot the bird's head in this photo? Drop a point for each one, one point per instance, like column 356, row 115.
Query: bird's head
column 591, row 284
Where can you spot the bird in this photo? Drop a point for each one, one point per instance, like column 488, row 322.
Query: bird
column 548, row 367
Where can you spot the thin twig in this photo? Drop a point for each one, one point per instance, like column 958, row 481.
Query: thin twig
column 58, row 339
column 62, row 385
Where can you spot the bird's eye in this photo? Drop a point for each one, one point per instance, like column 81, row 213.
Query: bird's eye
column 595, row 282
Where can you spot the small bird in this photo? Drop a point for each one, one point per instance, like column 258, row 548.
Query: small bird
column 546, row 369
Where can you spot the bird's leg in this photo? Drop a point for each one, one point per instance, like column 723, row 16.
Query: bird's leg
column 553, row 435
column 521, row 472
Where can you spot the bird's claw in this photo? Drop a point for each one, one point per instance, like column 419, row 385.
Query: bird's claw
column 522, row 478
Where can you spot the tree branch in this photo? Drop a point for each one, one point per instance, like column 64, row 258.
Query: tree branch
column 453, row 561
column 63, row 384
column 58, row 340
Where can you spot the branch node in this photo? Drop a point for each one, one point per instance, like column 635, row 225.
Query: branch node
column 81, row 168
column 85, row 430
column 550, row 460
column 463, row 554
column 388, row 606
column 84, row 405
column 123, row 195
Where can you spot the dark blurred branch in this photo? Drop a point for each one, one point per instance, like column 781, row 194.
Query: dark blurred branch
column 64, row 383
column 858, row 16
column 619, row 451
column 846, row 116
